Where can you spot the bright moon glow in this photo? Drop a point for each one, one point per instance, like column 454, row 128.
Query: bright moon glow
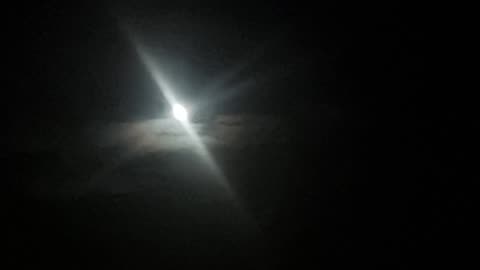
column 179, row 112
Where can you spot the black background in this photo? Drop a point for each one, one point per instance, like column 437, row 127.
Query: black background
column 388, row 186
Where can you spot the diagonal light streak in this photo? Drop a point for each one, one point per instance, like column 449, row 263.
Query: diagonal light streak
column 166, row 89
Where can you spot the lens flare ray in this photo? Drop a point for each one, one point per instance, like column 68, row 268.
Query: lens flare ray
column 181, row 114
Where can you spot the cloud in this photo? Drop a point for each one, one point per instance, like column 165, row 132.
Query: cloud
column 166, row 134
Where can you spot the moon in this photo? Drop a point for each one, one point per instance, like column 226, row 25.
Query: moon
column 179, row 112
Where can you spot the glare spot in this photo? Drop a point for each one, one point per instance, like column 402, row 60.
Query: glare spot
column 179, row 112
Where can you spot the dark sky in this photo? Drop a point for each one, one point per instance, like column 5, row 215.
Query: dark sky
column 378, row 189
column 71, row 57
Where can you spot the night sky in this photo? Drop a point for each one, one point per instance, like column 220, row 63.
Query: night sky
column 333, row 149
